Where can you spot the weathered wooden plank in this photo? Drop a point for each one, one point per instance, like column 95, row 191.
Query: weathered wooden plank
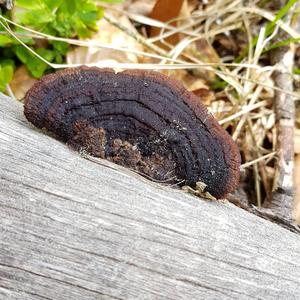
column 74, row 229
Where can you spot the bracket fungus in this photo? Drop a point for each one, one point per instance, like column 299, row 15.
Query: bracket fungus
column 142, row 120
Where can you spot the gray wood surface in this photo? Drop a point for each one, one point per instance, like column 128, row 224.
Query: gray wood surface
column 71, row 229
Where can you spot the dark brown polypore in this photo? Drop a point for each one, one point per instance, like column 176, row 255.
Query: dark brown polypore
column 139, row 119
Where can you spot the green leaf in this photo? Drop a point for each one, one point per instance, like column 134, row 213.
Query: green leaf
column 45, row 53
column 53, row 5
column 5, row 40
column 29, row 4
column 22, row 54
column 71, row 6
column 282, row 43
column 7, row 62
column 35, row 65
column 81, row 29
column 296, row 71
column 88, row 17
column 61, row 47
column 24, row 39
column 35, row 17
column 218, row 84
column 6, row 74
column 65, row 18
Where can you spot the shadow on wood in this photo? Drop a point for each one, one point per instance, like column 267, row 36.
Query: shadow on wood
column 74, row 229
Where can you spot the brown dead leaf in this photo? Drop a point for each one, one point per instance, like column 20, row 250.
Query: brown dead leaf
column 193, row 83
column 189, row 81
column 204, row 52
column 205, row 95
column 164, row 11
column 21, row 82
column 108, row 35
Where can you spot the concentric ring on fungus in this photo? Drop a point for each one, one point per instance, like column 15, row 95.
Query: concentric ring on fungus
column 139, row 119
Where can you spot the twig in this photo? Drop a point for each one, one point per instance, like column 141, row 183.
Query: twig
column 10, row 92
column 252, row 162
column 281, row 200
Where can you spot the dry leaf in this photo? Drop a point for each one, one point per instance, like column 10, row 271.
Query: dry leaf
column 108, row 35
column 164, row 11
column 21, row 82
column 143, row 7
column 193, row 83
column 204, row 52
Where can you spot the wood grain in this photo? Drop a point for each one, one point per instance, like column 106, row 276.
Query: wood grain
column 71, row 228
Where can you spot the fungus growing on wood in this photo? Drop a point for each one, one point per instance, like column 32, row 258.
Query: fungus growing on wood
column 138, row 119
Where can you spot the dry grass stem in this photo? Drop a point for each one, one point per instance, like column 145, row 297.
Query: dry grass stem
column 255, row 161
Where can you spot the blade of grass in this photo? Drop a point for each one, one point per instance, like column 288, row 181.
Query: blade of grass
column 269, row 28
column 282, row 43
column 296, row 71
